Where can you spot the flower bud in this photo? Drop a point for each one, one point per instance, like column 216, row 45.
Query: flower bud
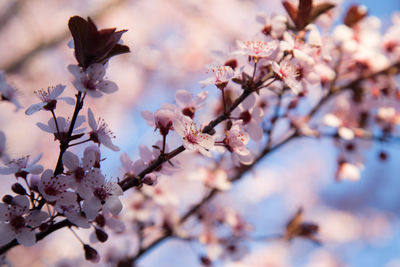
column 91, row 254
column 101, row 235
column 100, row 220
column 18, row 189
column 7, row 199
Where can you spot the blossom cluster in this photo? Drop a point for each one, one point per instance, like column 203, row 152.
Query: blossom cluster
column 268, row 88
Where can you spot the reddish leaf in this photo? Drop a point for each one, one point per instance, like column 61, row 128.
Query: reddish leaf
column 354, row 14
column 291, row 10
column 303, row 13
column 318, row 10
column 93, row 46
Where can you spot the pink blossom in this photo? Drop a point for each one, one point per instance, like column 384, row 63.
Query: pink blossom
column 273, row 25
column 214, row 179
column 221, row 75
column 54, row 189
column 21, row 168
column 149, row 156
column 188, row 104
column 100, row 133
column 49, row 99
column 91, row 81
column 83, row 175
column 296, row 48
column 251, row 117
column 288, row 73
column 74, row 214
column 162, row 119
column 193, row 139
column 7, row 92
column 16, row 221
column 130, row 168
column 236, row 140
column 63, row 126
column 258, row 49
column 106, row 197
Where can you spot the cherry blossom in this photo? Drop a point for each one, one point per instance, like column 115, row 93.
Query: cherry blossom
column 100, row 133
column 7, row 92
column 236, row 139
column 63, row 126
column 21, row 168
column 130, row 168
column 16, row 221
column 348, row 171
column 251, row 116
column 106, row 197
column 213, row 179
column 296, row 48
column 148, row 157
column 162, row 119
column 83, row 175
column 54, row 189
column 258, row 49
column 288, row 72
column 188, row 104
column 273, row 25
column 221, row 75
column 193, row 139
column 91, row 81
column 74, row 214
column 49, row 99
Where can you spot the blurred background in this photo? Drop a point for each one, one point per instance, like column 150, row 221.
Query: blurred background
column 172, row 42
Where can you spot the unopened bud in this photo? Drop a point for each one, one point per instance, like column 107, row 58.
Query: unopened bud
column 18, row 189
column 91, row 254
column 100, row 220
column 101, row 235
column 8, row 199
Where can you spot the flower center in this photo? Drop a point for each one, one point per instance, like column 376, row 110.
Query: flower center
column 79, row 174
column 50, row 190
column 191, row 138
column 17, row 223
column 245, row 116
column 100, row 193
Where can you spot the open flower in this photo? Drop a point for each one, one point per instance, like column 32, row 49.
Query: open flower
column 221, row 75
column 16, row 221
column 236, row 140
column 251, row 116
column 106, row 197
column 188, row 103
column 7, row 92
column 100, row 133
column 49, row 99
column 161, row 119
column 258, row 49
column 21, row 168
column 193, row 139
column 288, row 73
column 63, row 127
column 84, row 176
column 91, row 81
column 54, row 189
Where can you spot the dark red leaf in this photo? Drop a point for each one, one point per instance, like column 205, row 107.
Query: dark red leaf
column 93, row 46
column 354, row 14
column 303, row 13
column 291, row 10
column 318, row 10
